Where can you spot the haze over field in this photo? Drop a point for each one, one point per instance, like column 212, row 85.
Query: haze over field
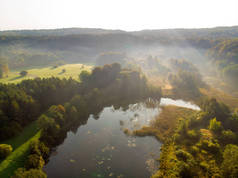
column 118, row 89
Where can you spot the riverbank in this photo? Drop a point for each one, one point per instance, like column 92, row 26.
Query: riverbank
column 164, row 125
column 21, row 146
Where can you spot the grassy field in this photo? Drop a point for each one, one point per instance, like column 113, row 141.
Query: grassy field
column 71, row 70
column 20, row 146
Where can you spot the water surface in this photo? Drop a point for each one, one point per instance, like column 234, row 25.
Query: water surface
column 101, row 149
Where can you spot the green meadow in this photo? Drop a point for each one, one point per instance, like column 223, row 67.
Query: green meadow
column 71, row 70
column 20, row 144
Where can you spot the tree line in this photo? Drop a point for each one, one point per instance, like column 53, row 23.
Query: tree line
column 59, row 105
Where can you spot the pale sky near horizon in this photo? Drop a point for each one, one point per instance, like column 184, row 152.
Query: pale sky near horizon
column 126, row 15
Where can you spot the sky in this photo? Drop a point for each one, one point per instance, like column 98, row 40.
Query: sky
column 129, row 15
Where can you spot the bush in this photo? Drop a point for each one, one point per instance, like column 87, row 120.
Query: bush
column 23, row 73
column 34, row 162
column 228, row 137
column 183, row 155
column 34, row 147
column 194, row 150
column 32, row 173
column 193, row 135
column 40, row 149
column 178, row 138
column 209, row 146
column 5, row 150
column 215, row 126
column 230, row 162
column 211, row 169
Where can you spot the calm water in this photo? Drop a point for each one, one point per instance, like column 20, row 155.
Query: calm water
column 101, row 149
column 181, row 103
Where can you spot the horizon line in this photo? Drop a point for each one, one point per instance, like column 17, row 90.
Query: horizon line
column 116, row 29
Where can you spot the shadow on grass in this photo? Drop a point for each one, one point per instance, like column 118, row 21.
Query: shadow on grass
column 17, row 158
column 60, row 73
column 15, row 78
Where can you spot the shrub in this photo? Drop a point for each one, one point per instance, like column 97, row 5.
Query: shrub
column 230, row 162
column 44, row 150
column 194, row 150
column 215, row 126
column 228, row 137
column 209, row 146
column 34, row 147
column 39, row 148
column 34, row 162
column 177, row 138
column 193, row 135
column 204, row 165
column 183, row 155
column 32, row 173
column 5, row 150
column 23, row 73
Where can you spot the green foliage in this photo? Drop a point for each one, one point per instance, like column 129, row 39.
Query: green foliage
column 230, row 162
column 57, row 113
column 184, row 134
column 34, row 161
column 32, row 173
column 210, row 169
column 193, row 135
column 226, row 49
column 45, row 122
column 215, row 109
column 228, row 137
column 24, row 99
column 5, row 150
column 40, row 149
column 23, row 73
column 215, row 126
column 211, row 146
column 194, row 150
column 84, row 76
column 103, row 76
column 50, row 91
column 233, row 122
column 183, row 155
column 225, row 53
column 186, row 84
column 22, row 136
column 176, row 164
column 18, row 157
column 16, row 109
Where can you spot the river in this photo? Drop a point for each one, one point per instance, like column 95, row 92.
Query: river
column 101, row 149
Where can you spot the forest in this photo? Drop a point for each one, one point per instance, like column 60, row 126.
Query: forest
column 88, row 70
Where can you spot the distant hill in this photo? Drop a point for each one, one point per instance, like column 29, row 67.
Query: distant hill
column 58, row 32
column 211, row 33
column 217, row 32
column 73, row 45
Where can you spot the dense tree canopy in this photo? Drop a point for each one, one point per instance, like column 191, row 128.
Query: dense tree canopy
column 5, row 150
